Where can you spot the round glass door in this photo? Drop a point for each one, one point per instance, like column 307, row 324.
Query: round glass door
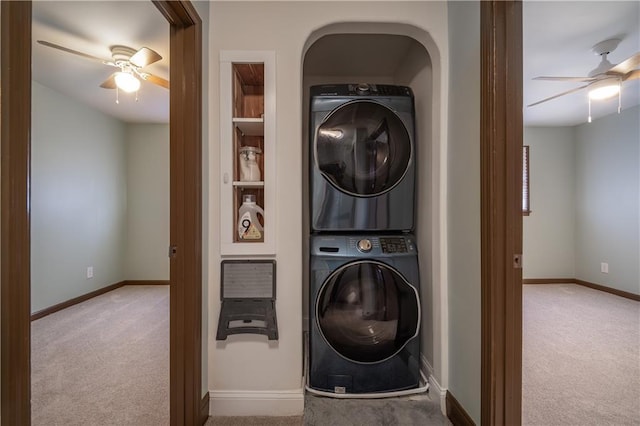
column 367, row 312
column 363, row 148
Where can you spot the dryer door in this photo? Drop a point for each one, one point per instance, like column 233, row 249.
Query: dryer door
column 367, row 312
column 363, row 148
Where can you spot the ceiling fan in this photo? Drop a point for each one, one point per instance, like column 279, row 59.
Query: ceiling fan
column 604, row 81
column 130, row 63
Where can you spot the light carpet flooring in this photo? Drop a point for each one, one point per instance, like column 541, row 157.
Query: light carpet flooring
column 581, row 357
column 104, row 361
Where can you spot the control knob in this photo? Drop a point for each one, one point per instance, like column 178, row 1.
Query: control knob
column 364, row 245
column 362, row 89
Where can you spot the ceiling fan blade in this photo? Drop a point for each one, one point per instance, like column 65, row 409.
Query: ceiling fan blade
column 558, row 95
column 75, row 52
column 156, row 80
column 633, row 75
column 144, row 57
column 109, row 83
column 627, row 65
column 564, row 78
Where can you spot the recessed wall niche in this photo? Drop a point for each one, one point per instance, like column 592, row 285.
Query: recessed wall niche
column 379, row 58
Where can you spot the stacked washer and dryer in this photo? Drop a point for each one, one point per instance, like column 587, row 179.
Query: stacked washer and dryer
column 364, row 298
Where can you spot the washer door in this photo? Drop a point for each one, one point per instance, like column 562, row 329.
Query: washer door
column 367, row 312
column 363, row 148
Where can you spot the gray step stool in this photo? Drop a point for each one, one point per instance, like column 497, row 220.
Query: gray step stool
column 248, row 294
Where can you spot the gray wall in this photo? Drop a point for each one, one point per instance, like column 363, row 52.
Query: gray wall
column 464, row 206
column 147, row 236
column 78, row 198
column 99, row 197
column 585, row 185
column 607, row 200
column 548, row 232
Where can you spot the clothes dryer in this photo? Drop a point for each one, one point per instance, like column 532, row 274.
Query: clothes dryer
column 364, row 314
column 362, row 158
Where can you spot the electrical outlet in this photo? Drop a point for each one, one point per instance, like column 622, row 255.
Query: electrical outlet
column 604, row 268
column 89, row 271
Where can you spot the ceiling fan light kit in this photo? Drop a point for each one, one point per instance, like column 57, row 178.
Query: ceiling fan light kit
column 129, row 61
column 604, row 81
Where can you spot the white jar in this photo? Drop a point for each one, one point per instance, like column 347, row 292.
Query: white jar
column 249, row 169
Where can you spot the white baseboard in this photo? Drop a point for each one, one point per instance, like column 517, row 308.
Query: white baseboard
column 434, row 386
column 256, row 403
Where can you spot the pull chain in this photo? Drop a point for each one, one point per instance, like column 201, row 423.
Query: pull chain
column 619, row 96
column 117, row 92
column 589, row 120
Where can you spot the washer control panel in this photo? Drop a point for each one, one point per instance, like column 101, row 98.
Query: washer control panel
column 363, row 245
column 360, row 89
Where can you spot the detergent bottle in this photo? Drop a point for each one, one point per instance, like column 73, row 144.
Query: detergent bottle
column 249, row 227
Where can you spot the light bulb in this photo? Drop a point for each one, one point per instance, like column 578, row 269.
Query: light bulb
column 605, row 90
column 127, row 82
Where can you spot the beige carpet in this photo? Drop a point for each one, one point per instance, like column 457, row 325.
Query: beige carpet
column 581, row 357
column 104, row 361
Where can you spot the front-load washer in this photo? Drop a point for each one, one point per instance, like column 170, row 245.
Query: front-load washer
column 362, row 158
column 364, row 314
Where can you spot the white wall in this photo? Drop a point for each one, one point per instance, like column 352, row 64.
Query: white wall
column 416, row 72
column 78, row 198
column 464, row 206
column 607, row 200
column 202, row 7
column 548, row 232
column 147, row 235
column 262, row 373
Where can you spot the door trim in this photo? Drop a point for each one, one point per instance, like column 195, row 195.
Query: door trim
column 186, row 206
column 501, row 211
column 186, row 210
column 15, row 321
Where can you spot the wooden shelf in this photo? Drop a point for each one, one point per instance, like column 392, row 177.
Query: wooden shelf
column 258, row 184
column 247, row 117
column 250, row 126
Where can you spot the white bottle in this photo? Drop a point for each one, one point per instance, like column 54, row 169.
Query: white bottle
column 249, row 227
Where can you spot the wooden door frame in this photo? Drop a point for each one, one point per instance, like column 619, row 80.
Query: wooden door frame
column 501, row 211
column 186, row 211
column 501, row 135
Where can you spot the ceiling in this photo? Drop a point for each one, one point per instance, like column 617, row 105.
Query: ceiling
column 557, row 41
column 92, row 27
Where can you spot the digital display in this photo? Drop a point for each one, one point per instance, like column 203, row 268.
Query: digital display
column 393, row 245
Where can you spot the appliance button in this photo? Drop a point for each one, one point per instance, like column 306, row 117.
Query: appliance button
column 362, row 89
column 364, row 245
